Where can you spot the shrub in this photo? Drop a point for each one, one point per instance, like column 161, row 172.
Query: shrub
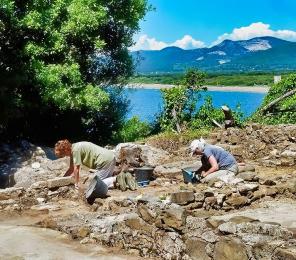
column 132, row 130
column 207, row 113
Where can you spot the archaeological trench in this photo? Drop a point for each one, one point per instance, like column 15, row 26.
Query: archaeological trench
column 252, row 218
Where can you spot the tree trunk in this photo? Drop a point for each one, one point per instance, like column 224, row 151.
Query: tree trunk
column 265, row 109
column 229, row 120
column 174, row 114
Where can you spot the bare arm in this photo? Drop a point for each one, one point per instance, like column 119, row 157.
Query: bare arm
column 214, row 166
column 71, row 168
column 76, row 174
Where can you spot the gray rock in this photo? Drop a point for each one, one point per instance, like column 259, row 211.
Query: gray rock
column 210, row 236
column 199, row 197
column 232, row 249
column 196, row 249
column 39, row 185
column 147, row 214
column 245, row 188
column 182, row 197
column 220, row 198
column 227, row 228
column 60, row 182
column 210, row 202
column 174, row 217
column 237, row 202
column 264, row 229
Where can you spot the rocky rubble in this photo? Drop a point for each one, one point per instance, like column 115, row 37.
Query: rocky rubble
column 267, row 144
column 252, row 218
column 166, row 227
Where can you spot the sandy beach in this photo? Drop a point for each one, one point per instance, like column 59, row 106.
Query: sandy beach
column 250, row 89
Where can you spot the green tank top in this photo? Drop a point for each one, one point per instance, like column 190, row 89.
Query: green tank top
column 91, row 155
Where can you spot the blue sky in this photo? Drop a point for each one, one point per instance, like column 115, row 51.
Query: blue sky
column 199, row 23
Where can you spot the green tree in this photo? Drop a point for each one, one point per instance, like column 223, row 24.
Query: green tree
column 283, row 111
column 133, row 129
column 55, row 59
column 180, row 101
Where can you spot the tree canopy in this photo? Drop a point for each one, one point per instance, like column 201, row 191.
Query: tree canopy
column 279, row 105
column 56, row 57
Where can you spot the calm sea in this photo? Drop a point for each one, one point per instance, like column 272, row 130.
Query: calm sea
column 146, row 103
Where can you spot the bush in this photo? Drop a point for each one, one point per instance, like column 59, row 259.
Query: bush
column 207, row 113
column 284, row 112
column 132, row 130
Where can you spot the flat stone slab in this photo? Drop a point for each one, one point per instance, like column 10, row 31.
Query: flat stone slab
column 276, row 212
column 60, row 182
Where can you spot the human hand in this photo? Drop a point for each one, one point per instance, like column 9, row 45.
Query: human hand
column 203, row 174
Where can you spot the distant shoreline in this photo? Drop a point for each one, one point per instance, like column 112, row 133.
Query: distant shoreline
column 249, row 89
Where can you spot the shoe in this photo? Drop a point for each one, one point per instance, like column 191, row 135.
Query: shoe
column 130, row 181
column 120, row 181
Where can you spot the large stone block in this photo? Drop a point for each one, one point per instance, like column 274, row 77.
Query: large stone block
column 196, row 249
column 237, row 202
column 60, row 182
column 182, row 197
column 227, row 249
column 174, row 217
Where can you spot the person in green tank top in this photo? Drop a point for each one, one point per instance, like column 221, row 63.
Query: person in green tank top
column 89, row 155
column 94, row 157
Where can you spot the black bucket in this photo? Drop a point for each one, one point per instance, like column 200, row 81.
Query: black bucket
column 143, row 175
column 96, row 189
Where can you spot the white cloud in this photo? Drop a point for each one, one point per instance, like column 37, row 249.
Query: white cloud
column 187, row 42
column 146, row 43
column 256, row 30
column 253, row 30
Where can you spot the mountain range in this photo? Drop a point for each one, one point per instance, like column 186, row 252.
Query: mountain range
column 257, row 54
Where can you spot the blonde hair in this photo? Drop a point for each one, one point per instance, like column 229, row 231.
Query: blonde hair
column 62, row 147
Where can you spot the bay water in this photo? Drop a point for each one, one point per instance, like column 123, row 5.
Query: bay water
column 147, row 103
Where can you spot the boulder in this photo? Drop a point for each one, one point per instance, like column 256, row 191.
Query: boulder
column 39, row 185
column 232, row 249
column 146, row 214
column 227, row 228
column 237, row 202
column 174, row 217
column 214, row 223
column 210, row 236
column 136, row 223
column 182, row 197
column 196, row 249
column 245, row 188
column 248, row 176
column 210, row 202
column 135, row 154
column 60, row 182
column 27, row 175
column 199, row 197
